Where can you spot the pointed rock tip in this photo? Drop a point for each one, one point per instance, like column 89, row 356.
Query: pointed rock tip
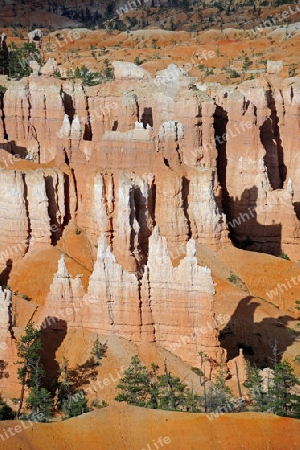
column 191, row 248
column 62, row 269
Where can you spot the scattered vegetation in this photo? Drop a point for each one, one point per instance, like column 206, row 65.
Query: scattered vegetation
column 30, row 374
column 284, row 256
column 237, row 281
column 99, row 351
column 292, row 71
column 17, row 64
column 145, row 388
column 91, row 78
column 70, row 396
column 234, row 279
column 279, row 396
column 233, row 73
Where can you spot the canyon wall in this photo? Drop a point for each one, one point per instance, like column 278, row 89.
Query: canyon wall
column 160, row 303
column 146, row 169
column 34, row 210
column 246, row 134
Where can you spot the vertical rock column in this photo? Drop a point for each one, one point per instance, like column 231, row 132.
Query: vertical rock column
column 13, row 216
column 46, row 116
column 5, row 321
column 63, row 305
column 112, row 304
column 207, row 223
column 181, row 301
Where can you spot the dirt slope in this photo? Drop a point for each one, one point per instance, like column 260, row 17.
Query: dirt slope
column 130, row 428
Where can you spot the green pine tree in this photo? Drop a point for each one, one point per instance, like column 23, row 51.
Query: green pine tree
column 254, row 384
column 64, row 384
column 284, row 400
column 108, row 70
column 99, row 350
column 171, row 391
column 41, row 404
column 75, row 405
column 28, row 349
column 135, row 384
column 219, row 395
column 77, row 73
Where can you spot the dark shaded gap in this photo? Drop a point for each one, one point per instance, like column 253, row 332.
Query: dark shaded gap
column 185, row 203
column 276, row 136
column 220, row 126
column 258, row 340
column 271, row 158
column 53, row 332
column 69, row 106
column 147, row 117
column 4, row 276
column 27, row 210
column 87, row 134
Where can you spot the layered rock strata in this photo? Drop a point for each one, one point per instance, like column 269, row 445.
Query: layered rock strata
column 246, row 133
column 33, row 207
column 172, row 306
column 63, row 302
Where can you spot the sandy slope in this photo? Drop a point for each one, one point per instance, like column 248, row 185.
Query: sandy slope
column 130, row 428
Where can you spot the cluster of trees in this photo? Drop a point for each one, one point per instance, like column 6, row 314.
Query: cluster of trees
column 279, row 395
column 84, row 15
column 145, row 388
column 142, row 387
column 14, row 62
column 90, row 78
column 69, row 396
column 90, row 17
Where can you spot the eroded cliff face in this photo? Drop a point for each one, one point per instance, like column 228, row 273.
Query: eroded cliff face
column 160, row 303
column 245, row 133
column 259, row 185
column 34, row 208
column 7, row 344
column 123, row 160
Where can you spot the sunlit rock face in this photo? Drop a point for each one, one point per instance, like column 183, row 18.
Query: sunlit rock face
column 244, row 136
column 160, row 303
column 147, row 169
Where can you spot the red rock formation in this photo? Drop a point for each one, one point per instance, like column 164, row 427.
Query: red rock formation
column 33, row 205
column 181, row 301
column 63, row 303
column 172, row 306
column 7, row 345
column 112, row 304
column 106, row 127
column 142, row 153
